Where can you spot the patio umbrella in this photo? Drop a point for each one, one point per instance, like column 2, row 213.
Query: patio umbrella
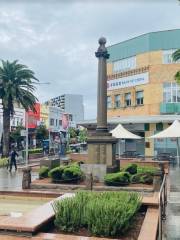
column 172, row 131
column 121, row 133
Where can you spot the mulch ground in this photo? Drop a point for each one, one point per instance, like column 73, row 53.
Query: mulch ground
column 48, row 181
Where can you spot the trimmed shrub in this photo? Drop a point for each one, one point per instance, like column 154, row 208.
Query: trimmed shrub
column 56, row 173
column 103, row 214
column 147, row 169
column 4, row 162
column 136, row 178
column 43, row 172
column 131, row 168
column 146, row 178
column 70, row 173
column 117, row 179
column 73, row 171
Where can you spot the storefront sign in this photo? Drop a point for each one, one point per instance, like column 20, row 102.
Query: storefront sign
column 130, row 81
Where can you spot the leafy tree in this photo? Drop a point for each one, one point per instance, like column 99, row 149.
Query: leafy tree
column 83, row 135
column 42, row 132
column 176, row 57
column 16, row 86
column 15, row 136
column 72, row 132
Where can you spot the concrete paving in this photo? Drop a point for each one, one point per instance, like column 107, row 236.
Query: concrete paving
column 172, row 224
column 13, row 180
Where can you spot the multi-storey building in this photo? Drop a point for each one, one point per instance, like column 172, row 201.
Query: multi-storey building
column 141, row 83
column 70, row 103
column 142, row 93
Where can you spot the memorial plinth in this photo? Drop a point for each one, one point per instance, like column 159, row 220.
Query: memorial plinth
column 101, row 144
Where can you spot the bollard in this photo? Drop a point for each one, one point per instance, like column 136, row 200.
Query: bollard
column 26, row 181
column 89, row 181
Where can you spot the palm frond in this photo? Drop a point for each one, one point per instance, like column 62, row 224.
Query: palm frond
column 176, row 55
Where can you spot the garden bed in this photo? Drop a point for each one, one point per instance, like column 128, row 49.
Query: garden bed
column 132, row 234
column 70, row 177
column 109, row 215
column 46, row 183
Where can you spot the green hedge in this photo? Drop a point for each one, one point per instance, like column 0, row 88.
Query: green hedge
column 3, row 162
column 133, row 173
column 117, row 179
column 34, row 150
column 145, row 178
column 104, row 214
column 66, row 173
column 43, row 172
column 149, row 169
column 131, row 168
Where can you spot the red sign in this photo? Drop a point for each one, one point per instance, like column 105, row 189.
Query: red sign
column 34, row 117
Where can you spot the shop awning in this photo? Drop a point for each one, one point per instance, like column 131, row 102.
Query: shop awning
column 172, row 131
column 122, row 133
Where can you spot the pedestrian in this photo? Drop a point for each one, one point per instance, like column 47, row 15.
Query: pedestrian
column 13, row 156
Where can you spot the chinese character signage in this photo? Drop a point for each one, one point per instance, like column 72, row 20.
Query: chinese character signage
column 130, row 81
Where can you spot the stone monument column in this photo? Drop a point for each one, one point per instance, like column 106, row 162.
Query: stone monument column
column 101, row 144
column 102, row 55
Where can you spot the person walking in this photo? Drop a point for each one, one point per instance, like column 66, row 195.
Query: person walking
column 13, row 156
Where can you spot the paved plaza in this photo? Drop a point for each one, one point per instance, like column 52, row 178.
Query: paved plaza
column 13, row 180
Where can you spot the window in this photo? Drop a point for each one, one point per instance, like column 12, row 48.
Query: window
column 146, row 127
column 109, row 102
column 51, row 121
column 171, row 92
column 56, row 122
column 117, row 101
column 139, row 98
column 128, row 99
column 167, row 56
column 159, row 126
column 124, row 64
column 60, row 122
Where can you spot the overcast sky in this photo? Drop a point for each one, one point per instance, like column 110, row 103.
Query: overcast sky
column 57, row 39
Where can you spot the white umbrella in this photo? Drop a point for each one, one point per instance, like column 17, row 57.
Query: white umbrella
column 121, row 133
column 172, row 131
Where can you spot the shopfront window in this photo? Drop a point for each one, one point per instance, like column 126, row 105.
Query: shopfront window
column 128, row 99
column 109, row 102
column 51, row 121
column 171, row 93
column 139, row 98
column 124, row 64
column 117, row 101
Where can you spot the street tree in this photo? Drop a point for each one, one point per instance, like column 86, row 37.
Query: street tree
column 42, row 132
column 16, row 86
column 176, row 57
column 15, row 135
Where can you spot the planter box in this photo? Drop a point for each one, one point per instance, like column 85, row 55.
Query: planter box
column 50, row 162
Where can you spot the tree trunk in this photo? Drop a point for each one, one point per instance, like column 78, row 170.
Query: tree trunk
column 6, row 132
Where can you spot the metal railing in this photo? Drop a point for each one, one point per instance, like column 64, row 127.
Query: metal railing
column 162, row 204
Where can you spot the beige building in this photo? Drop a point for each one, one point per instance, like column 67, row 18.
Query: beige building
column 141, row 83
column 142, row 93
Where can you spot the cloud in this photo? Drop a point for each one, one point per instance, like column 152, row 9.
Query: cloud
column 57, row 39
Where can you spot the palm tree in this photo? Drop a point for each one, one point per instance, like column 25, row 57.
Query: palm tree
column 176, row 57
column 16, row 86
